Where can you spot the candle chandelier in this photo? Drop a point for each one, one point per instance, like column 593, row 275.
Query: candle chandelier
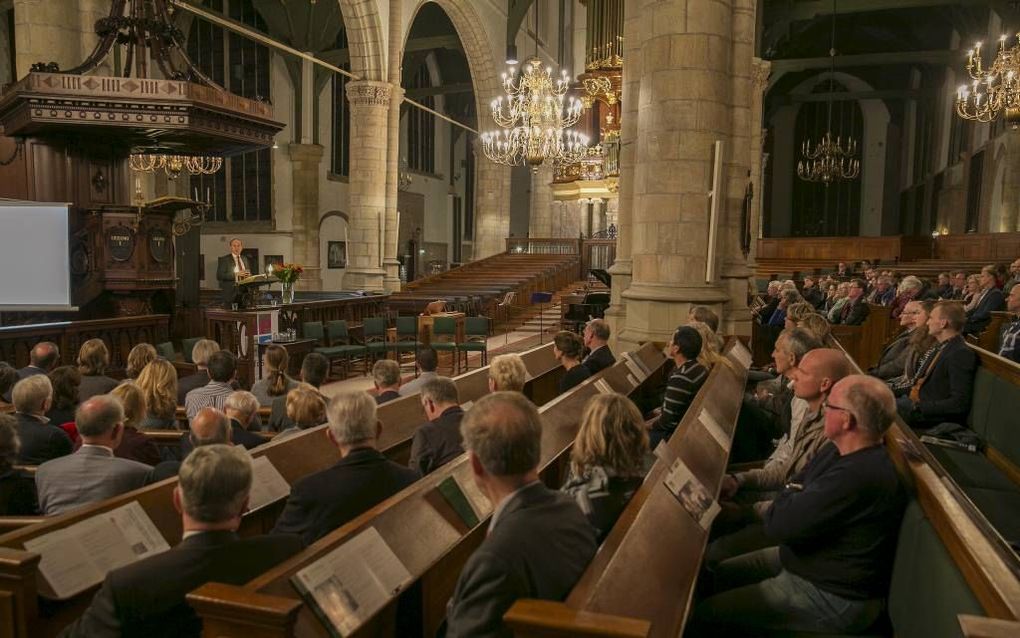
column 993, row 90
column 534, row 118
column 832, row 158
column 174, row 165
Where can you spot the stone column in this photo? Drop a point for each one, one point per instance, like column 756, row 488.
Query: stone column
column 598, row 215
column 492, row 206
column 370, row 102
column 612, row 212
column 390, row 231
column 540, row 223
column 304, row 161
column 694, row 90
column 47, row 31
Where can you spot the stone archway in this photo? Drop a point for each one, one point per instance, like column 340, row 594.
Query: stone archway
column 364, row 36
column 334, row 225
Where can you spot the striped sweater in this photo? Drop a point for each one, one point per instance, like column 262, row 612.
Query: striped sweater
column 683, row 385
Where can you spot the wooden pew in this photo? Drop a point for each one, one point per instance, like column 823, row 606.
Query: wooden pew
column 294, row 457
column 631, row 586
column 431, row 542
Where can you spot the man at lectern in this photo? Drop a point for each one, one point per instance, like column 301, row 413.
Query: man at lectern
column 229, row 269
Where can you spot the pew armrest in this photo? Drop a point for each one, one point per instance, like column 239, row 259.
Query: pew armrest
column 227, row 610
column 548, row 619
column 981, row 627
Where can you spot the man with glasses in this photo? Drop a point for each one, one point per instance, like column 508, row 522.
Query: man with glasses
column 894, row 355
column 1008, row 344
column 855, row 310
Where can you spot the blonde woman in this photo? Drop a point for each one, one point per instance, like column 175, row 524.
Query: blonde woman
column 306, row 408
column 507, row 373
column 275, row 383
column 607, row 462
column 710, row 354
column 134, row 445
column 158, row 383
column 817, row 325
column 93, row 359
column 138, row 358
column 841, row 298
column 797, row 312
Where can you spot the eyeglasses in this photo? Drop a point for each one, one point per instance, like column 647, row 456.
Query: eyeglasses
column 828, row 406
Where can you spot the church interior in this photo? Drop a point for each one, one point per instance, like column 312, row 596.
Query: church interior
column 534, row 318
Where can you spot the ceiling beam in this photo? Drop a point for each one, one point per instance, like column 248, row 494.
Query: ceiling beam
column 797, row 11
column 938, row 58
column 443, row 89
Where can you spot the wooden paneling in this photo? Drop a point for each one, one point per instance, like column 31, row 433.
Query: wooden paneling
column 836, row 249
column 994, row 247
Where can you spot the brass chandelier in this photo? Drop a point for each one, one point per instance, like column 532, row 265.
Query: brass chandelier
column 994, row 90
column 534, row 118
column 831, row 159
column 174, row 165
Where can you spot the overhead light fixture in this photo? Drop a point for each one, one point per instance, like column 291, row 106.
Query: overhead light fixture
column 174, row 165
column 994, row 90
column 511, row 54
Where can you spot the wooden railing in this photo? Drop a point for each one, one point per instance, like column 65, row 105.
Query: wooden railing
column 595, row 253
column 837, row 249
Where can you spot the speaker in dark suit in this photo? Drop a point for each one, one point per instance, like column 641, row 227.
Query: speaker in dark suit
column 229, row 267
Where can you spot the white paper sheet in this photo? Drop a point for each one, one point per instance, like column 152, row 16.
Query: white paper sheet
column 267, row 485
column 691, row 494
column 715, row 430
column 602, row 386
column 742, row 355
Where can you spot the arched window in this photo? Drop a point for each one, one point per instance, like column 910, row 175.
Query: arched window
column 340, row 158
column 421, row 126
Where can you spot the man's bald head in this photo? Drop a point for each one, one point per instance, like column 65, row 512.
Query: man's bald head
column 209, row 427
column 869, row 400
column 504, row 432
column 817, row 371
column 45, row 355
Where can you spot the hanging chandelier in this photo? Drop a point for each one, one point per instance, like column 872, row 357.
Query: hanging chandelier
column 832, row 158
column 534, row 118
column 174, row 165
column 993, row 90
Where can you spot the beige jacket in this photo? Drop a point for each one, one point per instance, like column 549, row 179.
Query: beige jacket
column 777, row 472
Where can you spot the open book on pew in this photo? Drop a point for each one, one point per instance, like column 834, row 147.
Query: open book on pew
column 78, row 557
column 267, row 484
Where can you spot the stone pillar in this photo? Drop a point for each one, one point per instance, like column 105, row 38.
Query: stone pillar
column 540, row 223
column 304, row 161
column 492, row 205
column 48, row 31
column 598, row 215
column 370, row 102
column 390, row 230
column 694, row 90
column 612, row 212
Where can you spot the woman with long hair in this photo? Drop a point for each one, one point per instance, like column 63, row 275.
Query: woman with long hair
column 275, row 382
column 607, row 461
column 158, row 383
column 138, row 358
column 93, row 360
column 921, row 346
column 66, row 381
column 839, row 300
column 134, row 445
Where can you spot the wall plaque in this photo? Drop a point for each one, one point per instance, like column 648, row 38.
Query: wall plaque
column 159, row 245
column 120, row 243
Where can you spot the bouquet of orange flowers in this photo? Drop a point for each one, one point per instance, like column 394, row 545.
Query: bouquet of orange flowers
column 288, row 273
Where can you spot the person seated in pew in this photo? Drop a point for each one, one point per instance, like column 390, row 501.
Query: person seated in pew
column 796, row 313
column 811, row 293
column 17, row 487
column 817, row 325
column 1008, row 346
column 855, row 310
column 835, row 527
column 764, row 313
column 158, row 383
column 989, row 299
column 437, row 441
column 1014, row 276
column 8, row 377
column 507, row 373
column 306, row 408
column 40, row 439
column 386, row 377
column 972, row 293
column 222, row 367
column 941, row 390
column 707, row 316
column 607, row 460
column 842, row 271
column 883, row 293
column 147, row 598
column 787, row 297
column 240, row 407
column 275, row 383
column 427, row 361
column 139, row 357
column 93, row 360
column 314, row 370
column 921, row 346
column 944, row 289
column 361, row 479
column 538, row 542
column 683, row 384
column 209, row 427
column 959, row 290
column 66, row 381
column 92, row 473
column 840, row 299
column 133, row 444
column 43, row 357
column 596, row 339
column 200, row 353
column 567, row 348
column 894, row 355
column 911, row 288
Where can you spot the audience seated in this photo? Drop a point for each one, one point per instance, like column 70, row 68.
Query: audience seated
column 607, row 460
column 314, row 370
column 66, row 381
column 884, row 293
column 941, row 389
column 43, row 357
column 158, row 383
column 987, row 300
column 92, row 473
column 507, row 373
column 222, row 367
column 811, row 293
column 8, row 377
column 596, row 339
column 17, row 487
column 787, row 297
column 796, row 312
column 910, row 288
column 684, row 383
column 139, row 357
column 834, row 306
column 438, row 441
column 240, row 407
column 836, row 527
column 363, row 477
column 306, row 408
column 386, row 377
column 40, row 439
column 817, row 325
column 764, row 313
column 538, row 542
column 567, row 348
column 209, row 427
column 274, row 382
column 200, row 353
column 93, row 359
column 147, row 598
column 855, row 310
column 894, row 355
column 1008, row 346
column 972, row 293
column 427, row 361
column 1014, row 276
column 133, row 444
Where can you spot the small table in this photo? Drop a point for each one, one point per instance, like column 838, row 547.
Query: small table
column 296, row 351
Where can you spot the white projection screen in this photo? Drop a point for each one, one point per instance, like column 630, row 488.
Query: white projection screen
column 34, row 260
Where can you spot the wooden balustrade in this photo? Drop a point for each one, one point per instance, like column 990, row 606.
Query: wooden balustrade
column 848, row 249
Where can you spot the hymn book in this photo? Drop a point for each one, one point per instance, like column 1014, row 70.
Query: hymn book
column 636, row 368
column 602, row 386
column 79, row 556
column 348, row 585
column 741, row 354
column 267, row 484
column 691, row 494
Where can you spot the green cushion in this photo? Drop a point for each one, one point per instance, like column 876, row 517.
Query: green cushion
column 166, row 350
column 980, row 400
column 1001, row 429
column 187, row 345
column 1001, row 508
column 474, row 346
column 444, row 346
column 341, row 351
column 405, row 346
column 971, row 469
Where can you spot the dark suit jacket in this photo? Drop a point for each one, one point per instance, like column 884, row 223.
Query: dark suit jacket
column 854, row 314
column 40, row 441
column 599, row 359
column 573, row 377
column 894, row 357
column 538, row 548
column 95, row 384
column 438, row 442
column 147, row 597
column 946, row 394
column 979, row 318
column 765, row 313
column 386, row 397
column 814, row 296
column 241, row 436
column 324, row 501
column 225, row 275
column 17, row 494
column 189, row 383
column 162, row 471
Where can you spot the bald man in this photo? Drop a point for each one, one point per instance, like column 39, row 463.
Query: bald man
column 834, row 526
column 210, row 426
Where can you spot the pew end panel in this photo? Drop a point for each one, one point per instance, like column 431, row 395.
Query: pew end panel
column 18, row 591
column 259, row 615
column 550, row 619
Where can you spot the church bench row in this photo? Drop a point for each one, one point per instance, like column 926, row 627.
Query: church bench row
column 430, row 540
column 642, row 579
column 293, row 457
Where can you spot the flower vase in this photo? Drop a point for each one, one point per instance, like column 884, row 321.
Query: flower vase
column 288, row 293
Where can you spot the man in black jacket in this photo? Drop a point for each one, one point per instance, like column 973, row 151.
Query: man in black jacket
column 43, row 357
column 991, row 300
column 811, row 293
column 941, row 391
column 539, row 542
column 855, row 310
column 438, row 441
column 41, row 441
column 596, row 339
column 363, row 477
column 147, row 598
column 240, row 407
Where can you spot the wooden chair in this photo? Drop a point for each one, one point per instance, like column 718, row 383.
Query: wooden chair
column 476, row 339
column 444, row 339
column 374, row 334
column 340, row 343
column 407, row 339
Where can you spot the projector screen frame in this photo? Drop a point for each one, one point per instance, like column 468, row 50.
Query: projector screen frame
column 10, row 308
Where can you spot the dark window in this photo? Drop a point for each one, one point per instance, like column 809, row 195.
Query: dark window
column 959, row 139
column 340, row 160
column 933, row 211
column 977, row 166
column 421, row 127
